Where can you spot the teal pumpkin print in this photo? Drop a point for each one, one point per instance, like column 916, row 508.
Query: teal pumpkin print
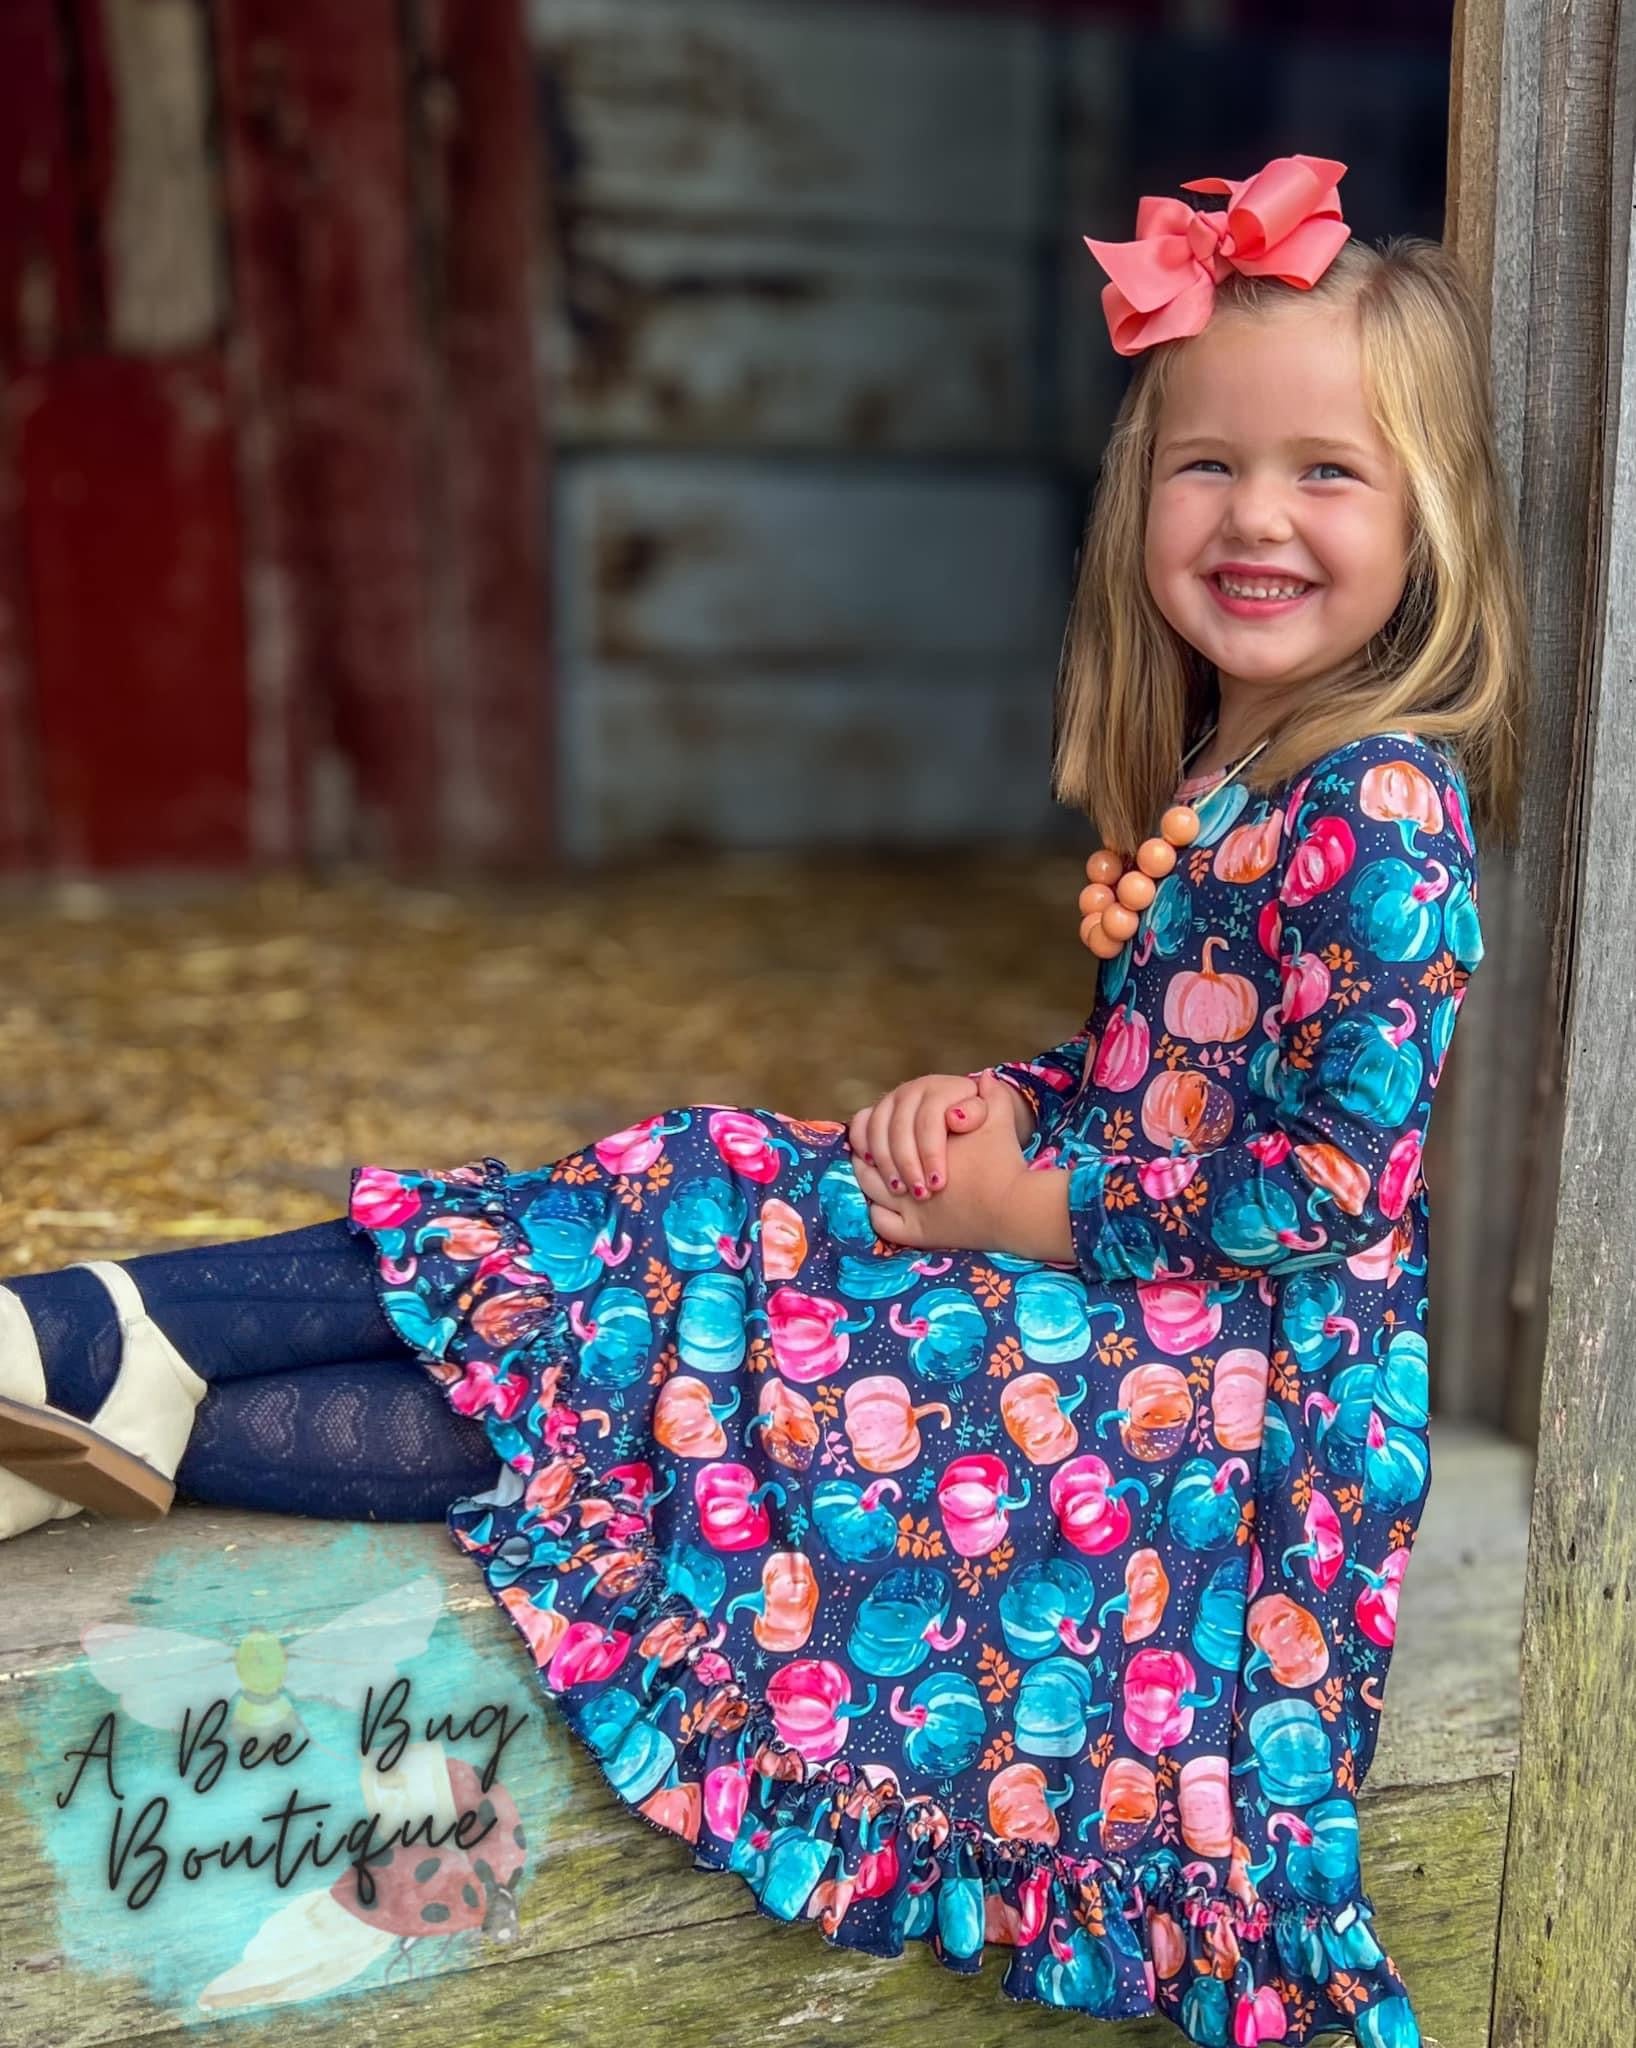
column 976, row 1598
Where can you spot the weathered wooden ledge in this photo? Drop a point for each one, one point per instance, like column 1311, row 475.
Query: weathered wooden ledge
column 619, row 1940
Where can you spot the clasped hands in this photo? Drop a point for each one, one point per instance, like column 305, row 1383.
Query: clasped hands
column 958, row 1140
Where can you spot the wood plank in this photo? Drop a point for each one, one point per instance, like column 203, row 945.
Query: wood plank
column 619, row 1939
column 674, row 334
column 476, row 209
column 39, row 302
column 326, row 295
column 161, row 231
column 1488, row 1155
column 910, row 755
column 130, row 528
column 1565, row 1960
column 865, row 117
column 800, row 565
column 756, row 653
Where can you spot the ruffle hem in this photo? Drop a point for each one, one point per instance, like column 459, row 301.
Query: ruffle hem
column 638, row 1675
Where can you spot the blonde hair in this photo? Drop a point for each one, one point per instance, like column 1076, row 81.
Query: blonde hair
column 1453, row 661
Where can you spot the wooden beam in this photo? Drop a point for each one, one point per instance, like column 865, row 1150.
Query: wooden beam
column 1565, row 1963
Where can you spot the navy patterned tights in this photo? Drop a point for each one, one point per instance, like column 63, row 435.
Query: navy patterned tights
column 315, row 1405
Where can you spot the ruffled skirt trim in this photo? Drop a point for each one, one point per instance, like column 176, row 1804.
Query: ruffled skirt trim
column 638, row 1673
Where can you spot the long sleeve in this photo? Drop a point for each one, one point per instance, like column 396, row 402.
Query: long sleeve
column 1377, row 934
column 1050, row 1080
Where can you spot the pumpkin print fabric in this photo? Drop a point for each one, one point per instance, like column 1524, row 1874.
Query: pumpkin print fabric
column 967, row 1598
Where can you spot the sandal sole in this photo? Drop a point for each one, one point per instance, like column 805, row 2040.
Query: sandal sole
column 69, row 1458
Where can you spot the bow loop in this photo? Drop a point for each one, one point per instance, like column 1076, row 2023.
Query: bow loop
column 1285, row 222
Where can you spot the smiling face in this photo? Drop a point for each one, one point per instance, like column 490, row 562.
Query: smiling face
column 1266, row 459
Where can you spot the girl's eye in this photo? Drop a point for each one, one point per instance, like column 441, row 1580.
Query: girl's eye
column 1210, row 462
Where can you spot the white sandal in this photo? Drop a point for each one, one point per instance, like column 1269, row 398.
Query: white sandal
column 123, row 1460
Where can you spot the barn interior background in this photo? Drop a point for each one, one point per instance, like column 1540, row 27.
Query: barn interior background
column 550, row 441
column 534, row 543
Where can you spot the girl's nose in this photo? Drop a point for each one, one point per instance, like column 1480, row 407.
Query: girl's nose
column 1257, row 512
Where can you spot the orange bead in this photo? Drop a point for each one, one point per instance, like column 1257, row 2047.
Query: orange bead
column 1103, row 944
column 1105, row 866
column 1120, row 921
column 1180, row 824
column 1156, row 857
column 1094, row 898
column 1136, row 890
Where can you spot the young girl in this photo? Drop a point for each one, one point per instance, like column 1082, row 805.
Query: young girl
column 984, row 1520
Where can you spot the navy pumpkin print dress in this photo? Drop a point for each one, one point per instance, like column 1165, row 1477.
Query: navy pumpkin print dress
column 967, row 1598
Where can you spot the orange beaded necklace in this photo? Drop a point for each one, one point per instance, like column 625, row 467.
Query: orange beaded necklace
column 1117, row 893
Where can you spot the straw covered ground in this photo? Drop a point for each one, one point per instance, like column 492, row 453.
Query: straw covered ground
column 185, row 1063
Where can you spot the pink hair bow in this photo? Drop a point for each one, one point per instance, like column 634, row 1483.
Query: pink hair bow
column 1285, row 222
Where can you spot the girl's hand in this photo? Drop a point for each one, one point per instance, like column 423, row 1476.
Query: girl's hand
column 904, row 1136
column 970, row 1213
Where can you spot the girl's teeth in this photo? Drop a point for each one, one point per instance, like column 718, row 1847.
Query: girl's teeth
column 1234, row 588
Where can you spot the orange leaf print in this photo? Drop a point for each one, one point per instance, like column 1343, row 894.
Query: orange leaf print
column 999, row 1752
column 998, row 1673
column 761, row 1357
column 1283, row 1379
column 661, row 1287
column 919, row 1539
column 1329, row 1698
column 1005, row 1358
column 992, row 1286
column 999, row 1559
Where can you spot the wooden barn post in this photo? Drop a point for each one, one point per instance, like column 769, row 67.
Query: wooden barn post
column 1541, row 200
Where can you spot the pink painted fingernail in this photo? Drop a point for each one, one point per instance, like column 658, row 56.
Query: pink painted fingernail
column 898, row 1185
column 961, row 1114
column 920, row 1191
column 937, row 1180
column 870, row 1157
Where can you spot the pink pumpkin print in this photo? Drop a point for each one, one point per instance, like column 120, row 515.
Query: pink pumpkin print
column 1318, row 860
column 1305, row 987
column 809, row 1334
column 1376, row 1605
column 974, row 1499
column 731, row 1516
column 1179, row 1316
column 1162, row 1178
column 811, row 1701
column 381, row 1200
column 1205, row 1803
column 1210, row 1008
column 882, row 1422
column 747, row 1146
column 1400, row 1173
column 1122, row 1059
column 634, row 1149
column 1159, row 1699
column 1091, row 1513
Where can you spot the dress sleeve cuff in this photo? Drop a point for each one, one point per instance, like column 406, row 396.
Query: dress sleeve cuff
column 1029, row 1090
